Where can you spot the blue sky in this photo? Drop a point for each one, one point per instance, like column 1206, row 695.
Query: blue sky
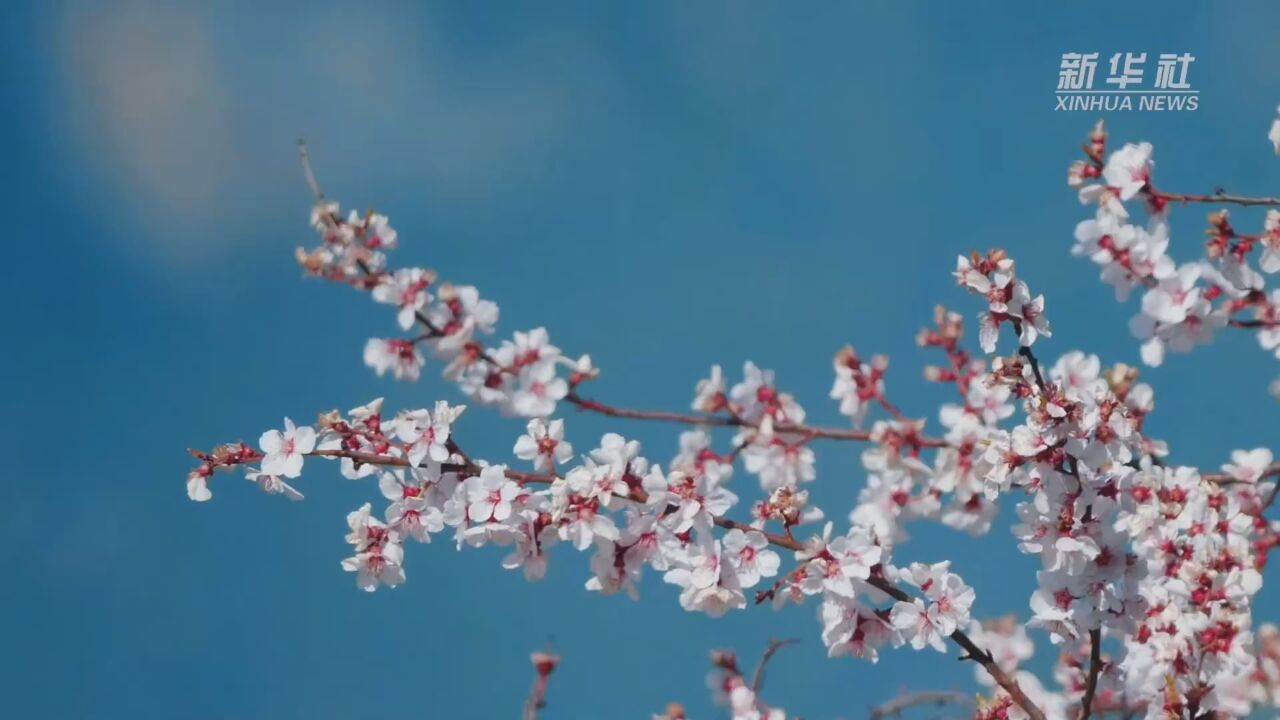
column 663, row 185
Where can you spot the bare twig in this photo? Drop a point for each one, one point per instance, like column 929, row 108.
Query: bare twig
column 757, row 678
column 307, row 172
column 894, row 707
column 811, row 431
column 1217, row 197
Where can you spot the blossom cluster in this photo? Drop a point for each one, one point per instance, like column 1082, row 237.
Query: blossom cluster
column 1128, row 546
column 1183, row 304
column 525, row 375
column 627, row 512
column 1160, row 562
column 1008, row 298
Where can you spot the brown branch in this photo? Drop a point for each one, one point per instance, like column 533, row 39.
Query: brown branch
column 894, row 707
column 1252, row 323
column 1027, row 354
column 988, row 663
column 757, row 677
column 1217, row 197
column 811, row 431
column 1030, row 356
column 1095, row 668
column 762, row 595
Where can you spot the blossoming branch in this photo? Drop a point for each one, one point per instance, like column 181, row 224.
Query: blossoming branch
column 1148, row 570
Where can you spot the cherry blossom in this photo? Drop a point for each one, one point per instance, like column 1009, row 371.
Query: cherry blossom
column 692, row 502
column 198, row 485
column 844, row 562
column 270, row 484
column 490, row 495
column 912, row 621
column 1128, row 170
column 949, row 601
column 1248, row 465
column 707, row 579
column 460, row 313
column 538, row 390
column 750, row 556
column 709, row 395
column 857, row 382
column 411, row 512
column 1274, row 134
column 543, row 443
column 285, row 450
column 780, row 460
column 1147, row 571
column 756, row 397
column 427, row 432
column 1183, row 304
column 696, row 457
column 1270, row 259
column 401, row 358
column 1009, row 299
column 378, row 557
column 407, row 290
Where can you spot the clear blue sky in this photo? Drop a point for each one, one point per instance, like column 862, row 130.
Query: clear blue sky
column 664, row 185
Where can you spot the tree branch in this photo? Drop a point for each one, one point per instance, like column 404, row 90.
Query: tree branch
column 811, row 431
column 1217, row 197
column 972, row 651
column 1095, row 668
column 757, row 678
column 894, row 707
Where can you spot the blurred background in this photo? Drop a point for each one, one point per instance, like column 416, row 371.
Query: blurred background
column 663, row 185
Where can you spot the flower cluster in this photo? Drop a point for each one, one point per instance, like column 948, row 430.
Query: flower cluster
column 1183, row 304
column 625, row 511
column 902, row 485
column 1193, row 542
column 525, row 375
column 1160, row 562
column 1008, row 299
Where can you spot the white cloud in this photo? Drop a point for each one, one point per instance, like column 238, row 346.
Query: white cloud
column 150, row 111
column 184, row 118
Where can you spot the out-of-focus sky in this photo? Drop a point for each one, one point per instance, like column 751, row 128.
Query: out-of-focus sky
column 664, row 185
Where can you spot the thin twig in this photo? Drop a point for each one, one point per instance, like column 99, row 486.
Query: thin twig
column 811, row 431
column 307, row 172
column 757, row 678
column 894, row 707
column 1217, row 197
